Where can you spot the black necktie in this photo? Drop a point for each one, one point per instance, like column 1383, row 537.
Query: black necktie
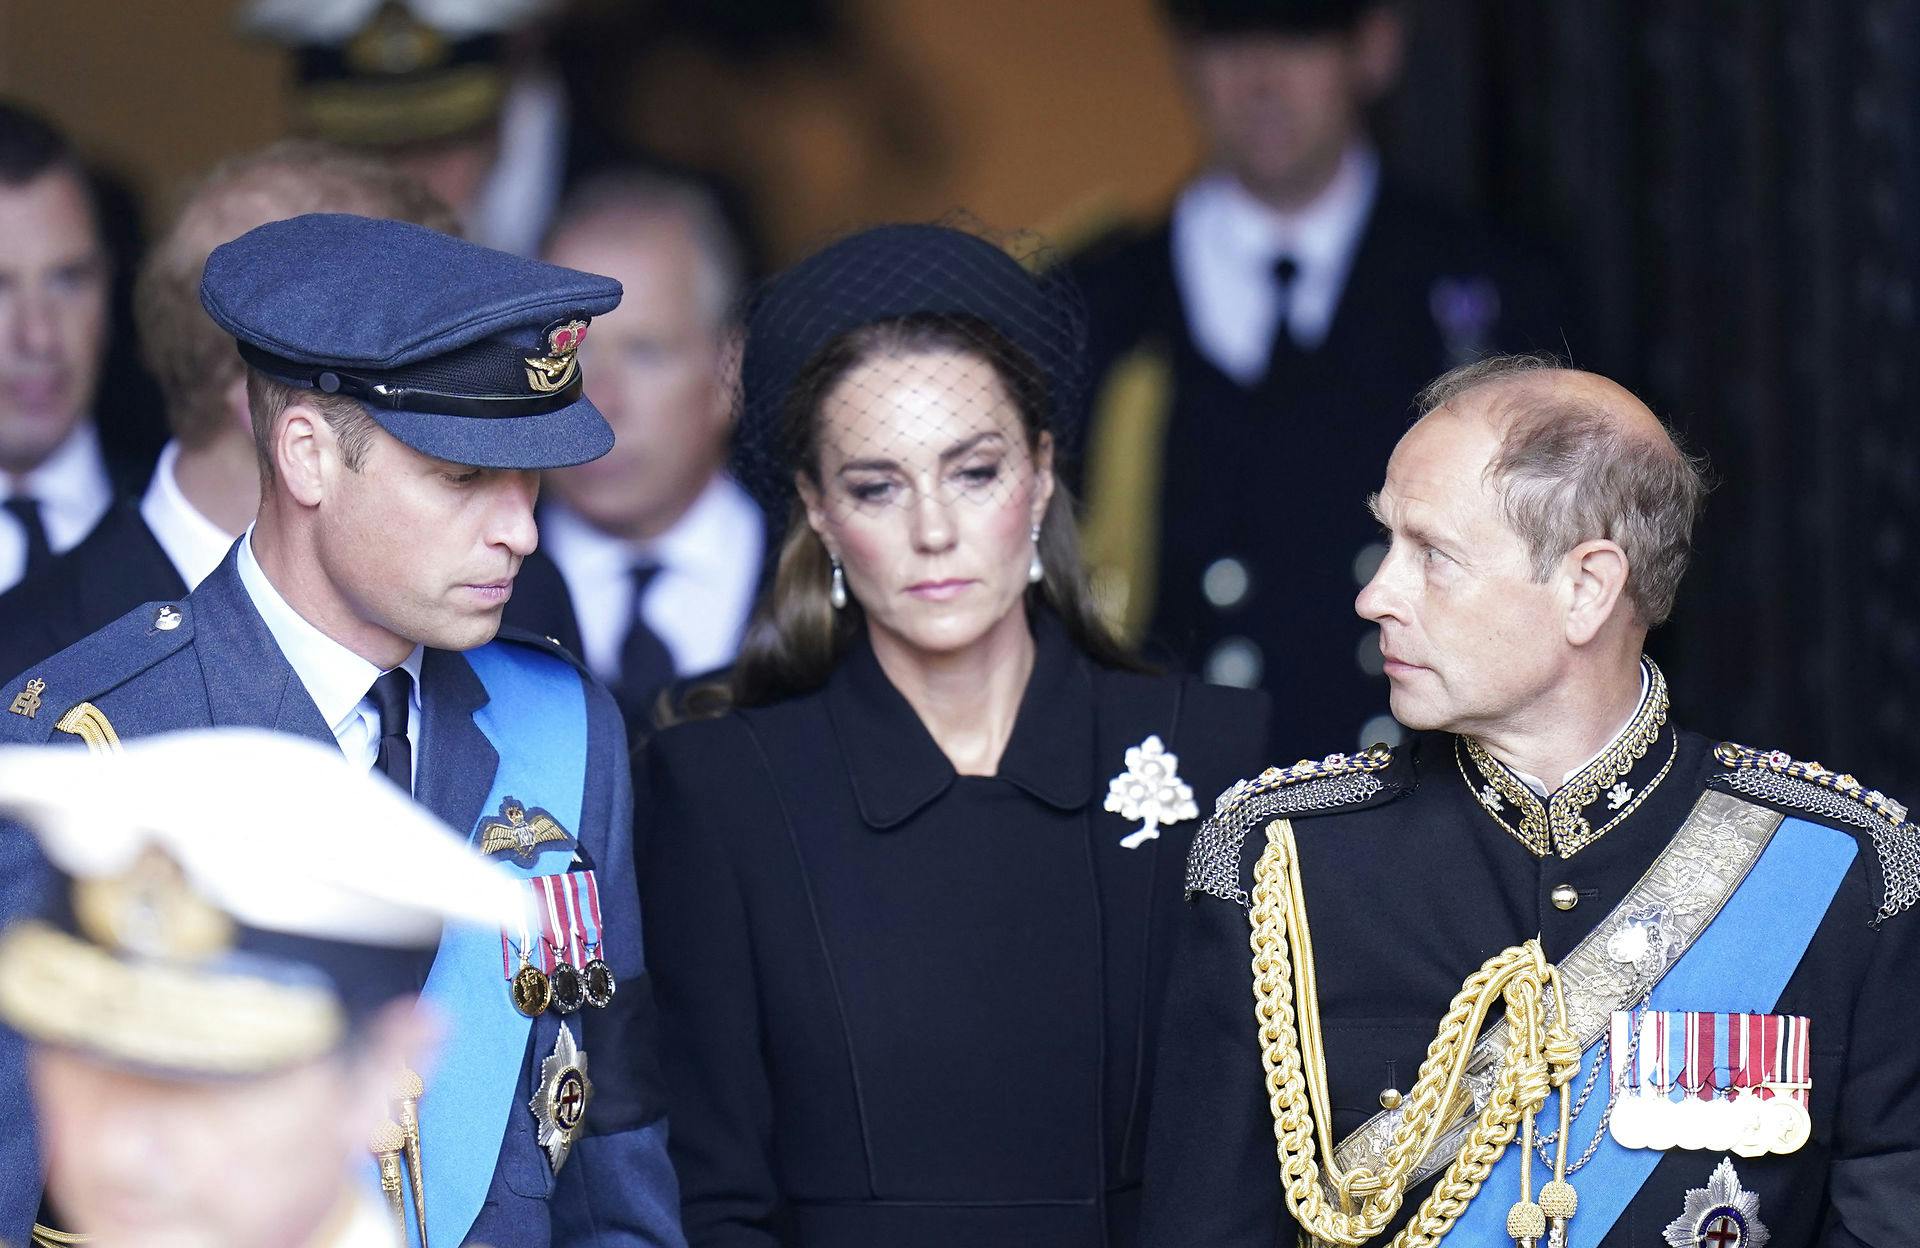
column 392, row 694
column 1284, row 350
column 646, row 665
column 27, row 511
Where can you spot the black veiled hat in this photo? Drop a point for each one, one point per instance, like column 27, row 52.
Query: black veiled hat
column 891, row 273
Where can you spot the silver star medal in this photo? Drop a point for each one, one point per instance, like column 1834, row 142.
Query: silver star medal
column 1720, row 1215
column 560, row 1106
column 1150, row 790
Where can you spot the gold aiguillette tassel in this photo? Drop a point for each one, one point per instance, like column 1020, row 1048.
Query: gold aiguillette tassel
column 388, row 1142
column 408, row 1088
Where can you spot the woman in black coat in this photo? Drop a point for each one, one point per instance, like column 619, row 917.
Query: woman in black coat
column 909, row 896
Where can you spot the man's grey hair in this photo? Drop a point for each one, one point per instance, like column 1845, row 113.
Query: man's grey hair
column 635, row 195
column 1568, row 472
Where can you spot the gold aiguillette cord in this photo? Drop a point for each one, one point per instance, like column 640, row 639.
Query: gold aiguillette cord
column 408, row 1088
column 389, row 1141
column 1540, row 1056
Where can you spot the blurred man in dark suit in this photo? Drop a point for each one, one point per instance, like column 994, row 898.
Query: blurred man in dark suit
column 206, row 488
column 1257, row 353
column 660, row 549
column 54, row 484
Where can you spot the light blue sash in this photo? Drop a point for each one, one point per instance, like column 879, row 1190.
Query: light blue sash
column 1739, row 964
column 536, row 719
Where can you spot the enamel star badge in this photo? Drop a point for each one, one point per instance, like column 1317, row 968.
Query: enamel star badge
column 1150, row 790
column 560, row 1106
column 1720, row 1215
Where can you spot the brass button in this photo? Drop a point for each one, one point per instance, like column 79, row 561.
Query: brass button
column 1564, row 897
column 1390, row 1098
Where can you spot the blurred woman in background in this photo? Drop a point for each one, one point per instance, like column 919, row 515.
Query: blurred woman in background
column 909, row 892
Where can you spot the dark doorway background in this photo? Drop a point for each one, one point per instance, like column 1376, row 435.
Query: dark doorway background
column 1736, row 186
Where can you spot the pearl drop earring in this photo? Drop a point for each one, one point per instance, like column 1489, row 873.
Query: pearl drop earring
column 837, row 587
column 1036, row 571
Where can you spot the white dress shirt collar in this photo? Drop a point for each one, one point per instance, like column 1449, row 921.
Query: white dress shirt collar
column 335, row 677
column 194, row 544
column 1225, row 242
column 73, row 490
column 698, row 602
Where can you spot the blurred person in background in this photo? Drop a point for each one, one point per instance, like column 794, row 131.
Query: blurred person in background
column 455, row 92
column 206, row 488
column 217, row 1003
column 660, row 549
column 54, row 278
column 907, row 887
column 1265, row 341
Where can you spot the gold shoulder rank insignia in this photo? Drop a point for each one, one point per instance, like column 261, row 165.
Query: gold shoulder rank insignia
column 521, row 830
column 1374, row 758
column 1780, row 763
column 1310, row 786
column 1777, row 777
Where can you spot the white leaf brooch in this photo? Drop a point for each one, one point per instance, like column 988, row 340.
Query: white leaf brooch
column 1150, row 790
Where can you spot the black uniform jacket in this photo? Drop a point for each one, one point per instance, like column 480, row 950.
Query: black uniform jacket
column 1406, row 896
column 908, row 1007
column 121, row 564
column 1275, row 476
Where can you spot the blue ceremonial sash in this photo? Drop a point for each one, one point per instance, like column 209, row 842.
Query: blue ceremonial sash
column 536, row 719
column 1739, row 964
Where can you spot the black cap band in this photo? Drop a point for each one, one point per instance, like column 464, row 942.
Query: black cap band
column 394, row 394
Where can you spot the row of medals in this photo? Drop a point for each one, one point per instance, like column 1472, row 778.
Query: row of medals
column 564, row 991
column 1747, row 1124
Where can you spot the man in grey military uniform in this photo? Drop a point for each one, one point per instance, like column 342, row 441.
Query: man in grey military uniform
column 406, row 389
column 220, row 1002
column 1701, row 953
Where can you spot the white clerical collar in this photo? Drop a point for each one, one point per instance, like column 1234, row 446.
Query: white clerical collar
column 336, row 678
column 71, row 485
column 194, row 544
column 1225, row 242
column 1540, row 789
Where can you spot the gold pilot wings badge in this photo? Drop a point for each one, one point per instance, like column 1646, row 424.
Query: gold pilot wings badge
column 520, row 830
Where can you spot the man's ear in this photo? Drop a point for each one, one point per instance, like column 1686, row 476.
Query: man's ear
column 1379, row 43
column 305, row 453
column 1595, row 582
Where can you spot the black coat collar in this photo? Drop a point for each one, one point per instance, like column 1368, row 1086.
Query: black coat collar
column 895, row 766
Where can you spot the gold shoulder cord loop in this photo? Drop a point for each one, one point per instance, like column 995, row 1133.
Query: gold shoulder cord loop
column 90, row 724
column 1541, row 1055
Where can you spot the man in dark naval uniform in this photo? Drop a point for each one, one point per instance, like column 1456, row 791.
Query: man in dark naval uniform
column 407, row 388
column 1701, row 951
column 1256, row 354
column 206, row 487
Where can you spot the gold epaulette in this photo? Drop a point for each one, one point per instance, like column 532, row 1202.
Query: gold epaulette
column 1308, row 787
column 1776, row 777
column 1375, row 757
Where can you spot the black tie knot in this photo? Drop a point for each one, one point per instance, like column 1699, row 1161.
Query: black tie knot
column 1286, row 270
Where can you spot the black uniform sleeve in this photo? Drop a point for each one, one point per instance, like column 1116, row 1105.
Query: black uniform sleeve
column 1211, row 1173
column 719, row 1102
column 1874, row 1179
